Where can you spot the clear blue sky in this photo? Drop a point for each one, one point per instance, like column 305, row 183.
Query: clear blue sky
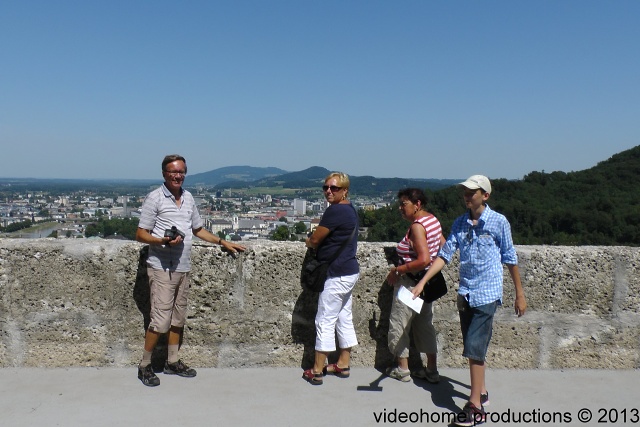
column 414, row 89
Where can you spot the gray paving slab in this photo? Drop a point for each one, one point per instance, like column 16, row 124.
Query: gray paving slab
column 279, row 397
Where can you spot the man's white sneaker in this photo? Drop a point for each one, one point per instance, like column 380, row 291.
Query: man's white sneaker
column 399, row 374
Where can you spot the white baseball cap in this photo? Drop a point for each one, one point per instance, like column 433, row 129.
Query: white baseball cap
column 477, row 181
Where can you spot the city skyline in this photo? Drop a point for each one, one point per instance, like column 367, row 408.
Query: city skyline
column 418, row 89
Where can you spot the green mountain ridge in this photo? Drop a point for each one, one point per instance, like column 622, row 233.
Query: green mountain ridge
column 596, row 206
column 312, row 178
column 235, row 174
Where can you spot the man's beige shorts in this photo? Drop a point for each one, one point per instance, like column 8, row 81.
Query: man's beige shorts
column 169, row 292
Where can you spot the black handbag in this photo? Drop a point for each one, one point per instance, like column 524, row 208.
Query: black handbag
column 434, row 288
column 314, row 272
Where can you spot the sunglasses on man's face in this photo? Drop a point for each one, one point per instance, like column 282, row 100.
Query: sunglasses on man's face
column 333, row 188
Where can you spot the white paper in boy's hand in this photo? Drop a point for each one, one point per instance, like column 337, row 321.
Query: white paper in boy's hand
column 405, row 296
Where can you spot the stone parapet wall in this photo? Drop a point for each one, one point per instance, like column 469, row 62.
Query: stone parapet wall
column 73, row 302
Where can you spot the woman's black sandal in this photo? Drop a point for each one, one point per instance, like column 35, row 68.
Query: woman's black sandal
column 334, row 369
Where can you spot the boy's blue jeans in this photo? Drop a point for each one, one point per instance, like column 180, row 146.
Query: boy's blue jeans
column 476, row 324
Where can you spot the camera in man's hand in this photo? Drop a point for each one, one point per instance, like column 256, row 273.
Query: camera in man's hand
column 173, row 233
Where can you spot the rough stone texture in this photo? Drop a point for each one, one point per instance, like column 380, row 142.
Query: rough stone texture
column 85, row 303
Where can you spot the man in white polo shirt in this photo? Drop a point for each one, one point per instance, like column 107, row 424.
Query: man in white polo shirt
column 168, row 221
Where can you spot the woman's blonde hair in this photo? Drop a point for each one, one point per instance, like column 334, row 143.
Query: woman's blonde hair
column 343, row 181
column 342, row 178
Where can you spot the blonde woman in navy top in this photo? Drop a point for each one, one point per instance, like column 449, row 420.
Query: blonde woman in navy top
column 334, row 317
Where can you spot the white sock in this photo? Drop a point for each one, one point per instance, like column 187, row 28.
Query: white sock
column 146, row 358
column 173, row 353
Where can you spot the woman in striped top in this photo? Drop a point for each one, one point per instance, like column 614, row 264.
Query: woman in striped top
column 415, row 252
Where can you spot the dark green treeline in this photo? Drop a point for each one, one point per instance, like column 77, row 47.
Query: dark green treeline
column 597, row 206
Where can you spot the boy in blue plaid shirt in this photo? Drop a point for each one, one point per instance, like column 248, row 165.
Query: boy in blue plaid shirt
column 483, row 237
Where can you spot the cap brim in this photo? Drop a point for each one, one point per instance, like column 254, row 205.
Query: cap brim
column 470, row 185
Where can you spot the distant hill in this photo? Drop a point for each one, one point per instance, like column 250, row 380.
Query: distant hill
column 235, row 177
column 234, row 173
column 312, row 178
column 369, row 185
column 599, row 205
column 61, row 186
column 595, row 206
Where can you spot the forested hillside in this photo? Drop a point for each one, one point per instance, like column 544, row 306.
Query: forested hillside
column 312, row 178
column 597, row 206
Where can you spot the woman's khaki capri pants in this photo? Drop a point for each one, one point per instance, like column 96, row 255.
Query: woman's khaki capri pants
column 403, row 319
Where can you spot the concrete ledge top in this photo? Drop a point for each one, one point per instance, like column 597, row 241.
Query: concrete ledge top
column 86, row 303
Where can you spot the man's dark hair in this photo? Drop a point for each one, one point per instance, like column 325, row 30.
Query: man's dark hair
column 414, row 195
column 172, row 158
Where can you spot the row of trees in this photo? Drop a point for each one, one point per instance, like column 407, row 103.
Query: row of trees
column 125, row 227
column 284, row 232
column 16, row 226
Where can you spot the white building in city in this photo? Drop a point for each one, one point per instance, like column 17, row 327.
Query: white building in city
column 299, row 206
column 216, row 225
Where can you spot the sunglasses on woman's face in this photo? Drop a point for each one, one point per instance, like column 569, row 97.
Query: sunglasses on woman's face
column 333, row 188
